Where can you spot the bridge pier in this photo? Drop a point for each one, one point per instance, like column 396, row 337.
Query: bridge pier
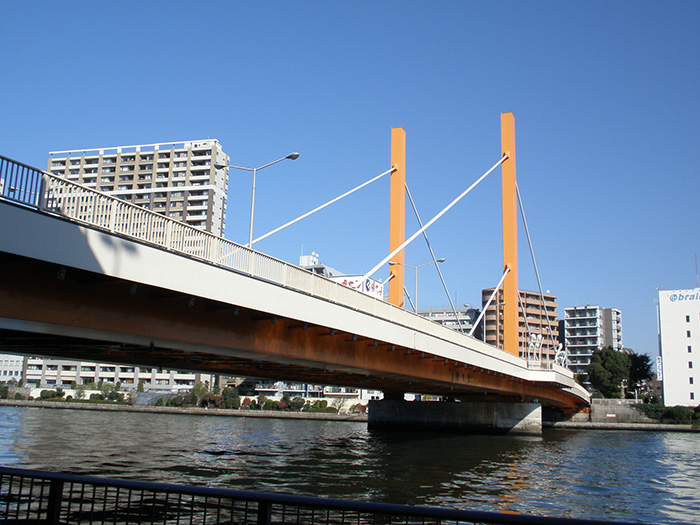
column 464, row 417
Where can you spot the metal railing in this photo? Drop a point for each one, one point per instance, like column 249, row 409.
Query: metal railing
column 55, row 195
column 32, row 497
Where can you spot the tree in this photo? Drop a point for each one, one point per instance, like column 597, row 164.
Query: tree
column 608, row 370
column 640, row 369
column 198, row 390
column 231, row 398
column 80, row 391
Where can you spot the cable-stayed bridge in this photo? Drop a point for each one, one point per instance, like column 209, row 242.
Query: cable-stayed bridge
column 91, row 277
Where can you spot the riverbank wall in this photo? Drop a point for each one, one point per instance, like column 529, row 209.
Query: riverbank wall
column 320, row 416
column 70, row 405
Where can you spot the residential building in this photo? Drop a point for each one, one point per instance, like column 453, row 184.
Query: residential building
column 176, row 179
column 679, row 340
column 11, row 367
column 54, row 373
column 589, row 328
column 538, row 331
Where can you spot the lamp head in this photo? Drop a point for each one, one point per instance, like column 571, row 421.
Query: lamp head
column 292, row 156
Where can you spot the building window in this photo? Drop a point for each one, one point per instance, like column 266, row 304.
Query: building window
column 690, row 364
column 687, row 318
column 691, row 380
column 688, row 333
column 690, row 349
column 692, row 395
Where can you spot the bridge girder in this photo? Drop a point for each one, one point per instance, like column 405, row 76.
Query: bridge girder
column 114, row 320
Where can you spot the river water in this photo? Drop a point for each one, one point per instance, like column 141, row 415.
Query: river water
column 652, row 477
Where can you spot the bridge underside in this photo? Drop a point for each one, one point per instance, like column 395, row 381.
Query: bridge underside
column 52, row 310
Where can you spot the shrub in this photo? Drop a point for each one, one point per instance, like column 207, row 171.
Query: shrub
column 679, row 414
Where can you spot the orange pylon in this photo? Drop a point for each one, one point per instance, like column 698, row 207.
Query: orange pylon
column 510, row 236
column 397, row 214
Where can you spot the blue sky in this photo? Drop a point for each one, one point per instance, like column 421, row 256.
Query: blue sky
column 605, row 96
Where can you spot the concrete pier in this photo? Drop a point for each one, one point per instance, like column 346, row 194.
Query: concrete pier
column 463, row 417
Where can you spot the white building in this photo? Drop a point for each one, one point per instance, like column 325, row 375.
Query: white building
column 55, row 373
column 679, row 340
column 589, row 328
column 11, row 367
column 178, row 180
column 463, row 321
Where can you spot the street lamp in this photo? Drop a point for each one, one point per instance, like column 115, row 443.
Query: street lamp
column 291, row 156
column 415, row 290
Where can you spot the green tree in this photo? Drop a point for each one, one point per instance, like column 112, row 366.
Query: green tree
column 607, row 371
column 140, row 387
column 198, row 390
column 640, row 370
column 231, row 398
column 80, row 391
column 297, row 403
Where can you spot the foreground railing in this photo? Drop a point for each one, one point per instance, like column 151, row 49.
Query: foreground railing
column 55, row 195
column 47, row 498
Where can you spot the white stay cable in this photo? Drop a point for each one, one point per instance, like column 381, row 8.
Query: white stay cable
column 488, row 303
column 324, row 205
column 537, row 273
column 430, row 223
column 408, row 296
column 432, row 254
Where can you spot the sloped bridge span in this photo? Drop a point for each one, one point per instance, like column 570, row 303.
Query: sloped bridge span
column 80, row 280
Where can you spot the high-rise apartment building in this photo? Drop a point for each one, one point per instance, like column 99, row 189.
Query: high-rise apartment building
column 537, row 316
column 679, row 338
column 178, row 180
column 589, row 328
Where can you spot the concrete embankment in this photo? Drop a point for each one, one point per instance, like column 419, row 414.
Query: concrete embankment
column 593, row 425
column 189, row 411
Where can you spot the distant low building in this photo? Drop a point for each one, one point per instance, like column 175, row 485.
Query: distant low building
column 61, row 373
column 11, row 367
column 459, row 319
column 679, row 339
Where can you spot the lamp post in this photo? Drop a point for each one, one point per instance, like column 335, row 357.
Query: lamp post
column 291, row 156
column 415, row 267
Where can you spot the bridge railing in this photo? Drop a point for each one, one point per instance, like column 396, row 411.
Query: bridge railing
column 55, row 195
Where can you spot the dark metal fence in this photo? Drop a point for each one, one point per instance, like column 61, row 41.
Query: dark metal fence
column 31, row 497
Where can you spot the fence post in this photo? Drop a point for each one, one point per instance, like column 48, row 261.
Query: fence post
column 113, row 215
column 264, row 513
column 53, row 512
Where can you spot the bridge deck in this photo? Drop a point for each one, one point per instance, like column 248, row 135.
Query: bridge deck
column 76, row 291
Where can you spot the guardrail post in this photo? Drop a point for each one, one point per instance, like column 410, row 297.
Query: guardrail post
column 53, row 512
column 113, row 216
column 43, row 189
column 264, row 513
